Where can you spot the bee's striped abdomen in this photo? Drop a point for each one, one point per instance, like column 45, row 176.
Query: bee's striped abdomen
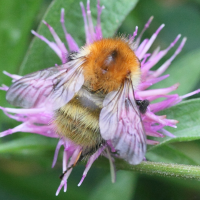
column 79, row 124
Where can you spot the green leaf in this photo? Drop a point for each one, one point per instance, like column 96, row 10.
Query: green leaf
column 40, row 56
column 188, row 128
column 29, row 142
column 169, row 154
column 123, row 188
column 190, row 149
column 185, row 71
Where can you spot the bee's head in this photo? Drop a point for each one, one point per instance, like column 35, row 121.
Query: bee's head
column 108, row 63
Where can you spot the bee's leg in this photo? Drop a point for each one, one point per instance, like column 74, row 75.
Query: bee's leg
column 143, row 104
column 78, row 158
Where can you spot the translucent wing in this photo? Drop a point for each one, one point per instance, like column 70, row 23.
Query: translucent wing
column 52, row 87
column 120, row 122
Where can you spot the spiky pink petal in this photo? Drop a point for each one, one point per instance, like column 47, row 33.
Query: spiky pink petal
column 52, row 45
column 70, row 40
column 60, row 143
column 141, row 54
column 137, row 42
column 13, row 76
column 58, row 41
column 90, row 162
column 98, row 26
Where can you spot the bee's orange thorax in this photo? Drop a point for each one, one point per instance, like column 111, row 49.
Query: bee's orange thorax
column 108, row 63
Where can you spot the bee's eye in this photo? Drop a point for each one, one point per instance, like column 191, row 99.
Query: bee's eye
column 111, row 57
column 114, row 54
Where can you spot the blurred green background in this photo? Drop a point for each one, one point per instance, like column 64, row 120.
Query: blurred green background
column 25, row 173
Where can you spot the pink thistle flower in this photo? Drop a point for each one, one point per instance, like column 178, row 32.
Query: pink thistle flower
column 36, row 118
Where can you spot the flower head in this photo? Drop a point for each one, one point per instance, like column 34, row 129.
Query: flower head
column 36, row 118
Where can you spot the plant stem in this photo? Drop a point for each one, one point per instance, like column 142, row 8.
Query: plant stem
column 162, row 169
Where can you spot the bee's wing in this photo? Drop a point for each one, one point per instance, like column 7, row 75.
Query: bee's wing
column 52, row 87
column 120, row 122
